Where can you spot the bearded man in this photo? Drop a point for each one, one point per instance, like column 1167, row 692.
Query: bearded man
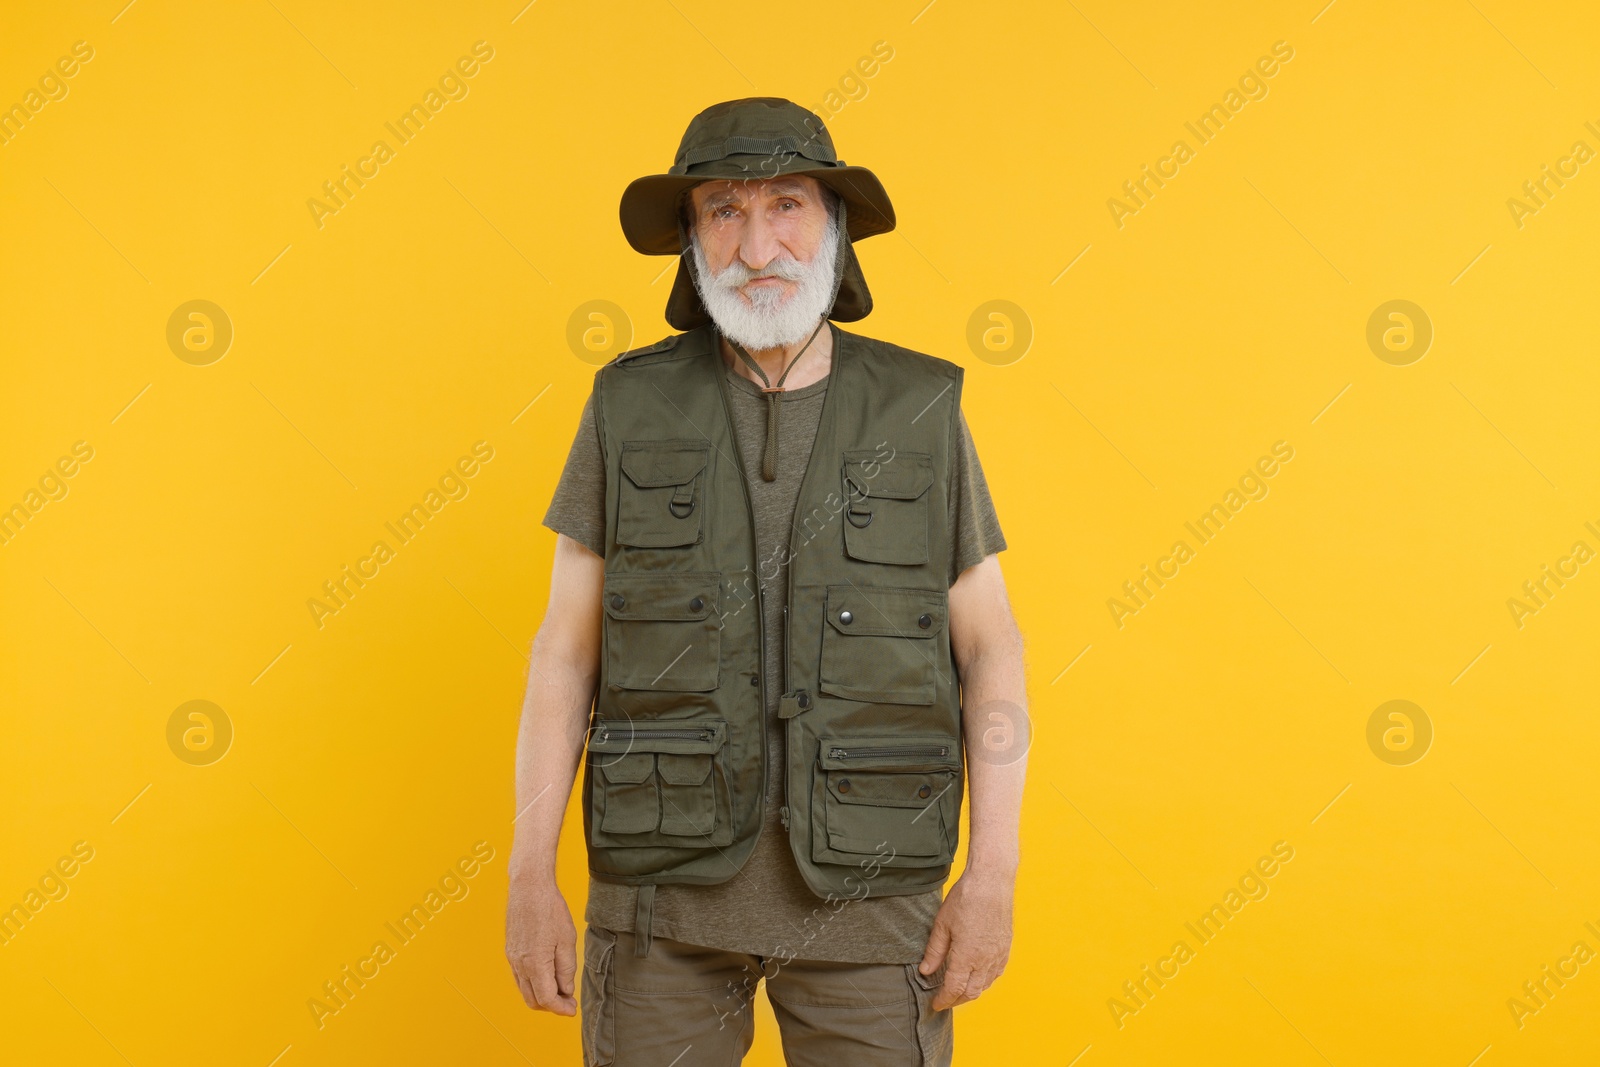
column 778, row 639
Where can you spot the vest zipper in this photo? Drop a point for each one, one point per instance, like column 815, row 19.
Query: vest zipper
column 661, row 734
column 890, row 752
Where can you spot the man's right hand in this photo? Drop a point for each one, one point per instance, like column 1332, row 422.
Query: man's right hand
column 541, row 944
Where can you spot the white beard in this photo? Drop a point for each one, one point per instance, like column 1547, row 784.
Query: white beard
column 764, row 322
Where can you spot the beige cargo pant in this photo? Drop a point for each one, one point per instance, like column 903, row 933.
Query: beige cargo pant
column 685, row 1006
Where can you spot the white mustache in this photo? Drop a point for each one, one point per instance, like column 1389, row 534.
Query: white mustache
column 736, row 274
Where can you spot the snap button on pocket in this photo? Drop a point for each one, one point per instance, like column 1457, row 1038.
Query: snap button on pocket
column 696, row 604
column 925, row 792
column 924, row 620
column 617, row 601
column 754, row 680
column 844, row 785
column 846, row 617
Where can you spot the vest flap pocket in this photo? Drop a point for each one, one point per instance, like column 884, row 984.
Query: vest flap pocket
column 909, row 790
column 652, row 464
column 886, row 513
column 628, row 769
column 683, row 770
column 668, row 597
column 660, row 501
column 900, row 476
column 663, row 631
column 891, row 832
column 629, row 795
column 874, row 645
column 888, row 795
column 658, row 778
column 688, row 798
column 873, row 611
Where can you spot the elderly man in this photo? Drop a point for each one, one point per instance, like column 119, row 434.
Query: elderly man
column 779, row 641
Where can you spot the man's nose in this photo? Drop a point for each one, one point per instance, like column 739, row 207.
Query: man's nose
column 758, row 245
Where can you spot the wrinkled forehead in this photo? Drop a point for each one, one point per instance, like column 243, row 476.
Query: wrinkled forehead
column 728, row 191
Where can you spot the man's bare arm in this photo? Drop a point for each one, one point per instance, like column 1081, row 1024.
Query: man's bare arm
column 973, row 928
column 541, row 941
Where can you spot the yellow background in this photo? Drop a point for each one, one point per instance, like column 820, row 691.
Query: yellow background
column 431, row 310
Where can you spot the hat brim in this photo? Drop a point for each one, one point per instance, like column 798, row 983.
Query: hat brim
column 650, row 204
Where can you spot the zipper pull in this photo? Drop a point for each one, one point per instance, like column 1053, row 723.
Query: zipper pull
column 783, row 813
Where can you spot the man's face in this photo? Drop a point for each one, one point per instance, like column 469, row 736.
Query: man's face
column 759, row 223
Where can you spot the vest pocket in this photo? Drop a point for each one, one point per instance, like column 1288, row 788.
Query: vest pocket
column 896, row 798
column 878, row 643
column 663, row 631
column 660, row 782
column 631, row 806
column 886, row 506
column 660, row 500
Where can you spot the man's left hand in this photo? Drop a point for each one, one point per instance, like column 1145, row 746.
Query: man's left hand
column 972, row 936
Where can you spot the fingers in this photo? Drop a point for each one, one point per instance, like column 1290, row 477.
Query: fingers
column 938, row 945
column 966, row 979
column 543, row 975
column 566, row 966
column 953, row 991
column 542, row 988
column 526, row 989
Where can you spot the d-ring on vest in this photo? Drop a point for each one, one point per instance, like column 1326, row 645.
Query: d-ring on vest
column 674, row 779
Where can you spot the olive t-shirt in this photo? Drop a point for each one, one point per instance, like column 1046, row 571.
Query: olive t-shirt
column 766, row 908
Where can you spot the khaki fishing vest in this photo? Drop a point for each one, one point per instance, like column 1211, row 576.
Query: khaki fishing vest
column 674, row 778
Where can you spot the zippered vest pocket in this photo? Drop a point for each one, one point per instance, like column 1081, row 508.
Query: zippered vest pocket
column 663, row 631
column 659, row 783
column 660, row 501
column 878, row 644
column 896, row 797
column 886, row 506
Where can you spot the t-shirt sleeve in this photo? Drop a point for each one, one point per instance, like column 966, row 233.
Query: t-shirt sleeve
column 578, row 508
column 974, row 526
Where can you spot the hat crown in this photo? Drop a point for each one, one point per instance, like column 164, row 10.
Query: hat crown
column 760, row 126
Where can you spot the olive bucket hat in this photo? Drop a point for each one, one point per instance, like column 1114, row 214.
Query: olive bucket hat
column 754, row 139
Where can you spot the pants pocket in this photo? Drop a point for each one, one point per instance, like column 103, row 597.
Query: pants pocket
column 596, row 1003
column 935, row 1030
